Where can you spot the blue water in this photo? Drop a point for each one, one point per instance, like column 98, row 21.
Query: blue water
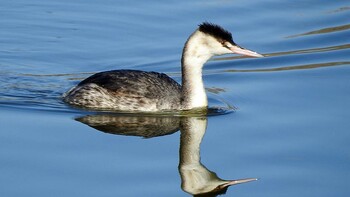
column 290, row 128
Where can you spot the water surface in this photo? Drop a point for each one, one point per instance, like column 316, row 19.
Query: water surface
column 290, row 127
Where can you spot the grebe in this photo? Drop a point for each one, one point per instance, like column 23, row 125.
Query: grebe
column 133, row 90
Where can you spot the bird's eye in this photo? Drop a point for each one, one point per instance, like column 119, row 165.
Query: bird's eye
column 226, row 44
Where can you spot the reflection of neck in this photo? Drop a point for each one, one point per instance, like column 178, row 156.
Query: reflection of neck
column 192, row 132
column 195, row 177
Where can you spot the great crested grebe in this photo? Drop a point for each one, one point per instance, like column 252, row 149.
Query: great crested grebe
column 133, row 90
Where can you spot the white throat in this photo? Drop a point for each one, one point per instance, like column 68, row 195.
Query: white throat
column 196, row 52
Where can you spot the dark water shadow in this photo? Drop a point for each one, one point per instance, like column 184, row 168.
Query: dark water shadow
column 323, row 31
column 196, row 179
column 340, row 9
column 287, row 68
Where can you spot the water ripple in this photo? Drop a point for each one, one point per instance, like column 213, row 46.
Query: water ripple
column 323, row 31
column 287, row 68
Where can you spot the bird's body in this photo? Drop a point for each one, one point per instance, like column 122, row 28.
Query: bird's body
column 127, row 90
column 132, row 90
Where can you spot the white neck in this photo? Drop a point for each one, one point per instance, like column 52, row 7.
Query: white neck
column 195, row 54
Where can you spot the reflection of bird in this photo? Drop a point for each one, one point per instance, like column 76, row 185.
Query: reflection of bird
column 196, row 178
column 131, row 90
column 143, row 126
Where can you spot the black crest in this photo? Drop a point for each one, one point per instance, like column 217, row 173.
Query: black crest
column 216, row 31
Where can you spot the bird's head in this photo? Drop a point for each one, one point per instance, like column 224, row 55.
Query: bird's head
column 211, row 40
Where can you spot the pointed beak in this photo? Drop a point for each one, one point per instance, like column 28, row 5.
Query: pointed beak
column 242, row 51
column 239, row 181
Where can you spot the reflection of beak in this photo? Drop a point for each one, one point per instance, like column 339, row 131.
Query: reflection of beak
column 235, row 182
column 243, row 51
